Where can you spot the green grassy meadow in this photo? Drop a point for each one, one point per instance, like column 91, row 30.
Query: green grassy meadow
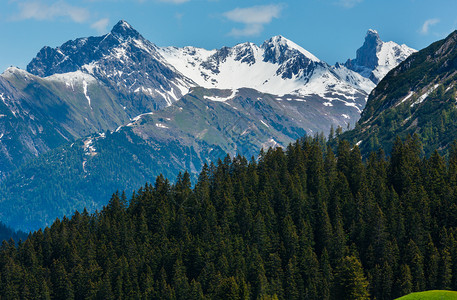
column 430, row 295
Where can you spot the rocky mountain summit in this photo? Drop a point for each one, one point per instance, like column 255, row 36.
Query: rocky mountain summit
column 376, row 58
column 123, row 60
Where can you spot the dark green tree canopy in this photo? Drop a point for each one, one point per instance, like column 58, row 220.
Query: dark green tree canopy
column 299, row 223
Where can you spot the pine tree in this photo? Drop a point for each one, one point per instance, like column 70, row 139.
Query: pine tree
column 405, row 285
column 227, row 289
column 444, row 271
column 350, row 281
column 327, row 276
column 62, row 286
column 180, row 280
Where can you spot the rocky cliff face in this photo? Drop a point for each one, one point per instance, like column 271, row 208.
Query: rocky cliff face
column 376, row 58
column 367, row 54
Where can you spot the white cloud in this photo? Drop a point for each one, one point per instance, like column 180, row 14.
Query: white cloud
column 39, row 10
column 349, row 3
column 426, row 26
column 253, row 18
column 248, row 30
column 101, row 25
column 254, row 15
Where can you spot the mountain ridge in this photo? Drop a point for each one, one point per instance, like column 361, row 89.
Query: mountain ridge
column 279, row 66
column 416, row 97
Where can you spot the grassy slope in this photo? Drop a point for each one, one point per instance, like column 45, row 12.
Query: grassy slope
column 430, row 295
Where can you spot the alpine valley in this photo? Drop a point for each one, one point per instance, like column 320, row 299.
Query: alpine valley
column 109, row 113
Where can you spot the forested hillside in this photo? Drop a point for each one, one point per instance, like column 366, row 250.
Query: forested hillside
column 299, row 223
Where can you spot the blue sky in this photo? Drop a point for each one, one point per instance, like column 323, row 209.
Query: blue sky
column 330, row 29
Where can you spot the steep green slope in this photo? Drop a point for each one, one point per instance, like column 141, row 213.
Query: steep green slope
column 38, row 114
column 419, row 96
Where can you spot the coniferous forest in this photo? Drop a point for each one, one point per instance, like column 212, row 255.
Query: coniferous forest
column 304, row 222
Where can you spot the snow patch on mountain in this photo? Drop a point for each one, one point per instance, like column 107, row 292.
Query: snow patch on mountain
column 188, row 60
column 406, row 98
column 389, row 56
column 75, row 79
column 263, row 122
column 142, row 115
column 222, row 99
column 12, row 72
column 425, row 95
column 88, row 147
column 353, row 105
column 160, row 125
column 85, row 93
column 353, row 78
column 271, row 143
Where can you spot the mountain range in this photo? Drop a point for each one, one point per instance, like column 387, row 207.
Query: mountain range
column 111, row 112
column 96, row 84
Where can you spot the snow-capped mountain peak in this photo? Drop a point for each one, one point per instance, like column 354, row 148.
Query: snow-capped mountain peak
column 123, row 26
column 376, row 58
column 123, row 60
column 124, row 31
column 372, row 31
column 278, row 48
